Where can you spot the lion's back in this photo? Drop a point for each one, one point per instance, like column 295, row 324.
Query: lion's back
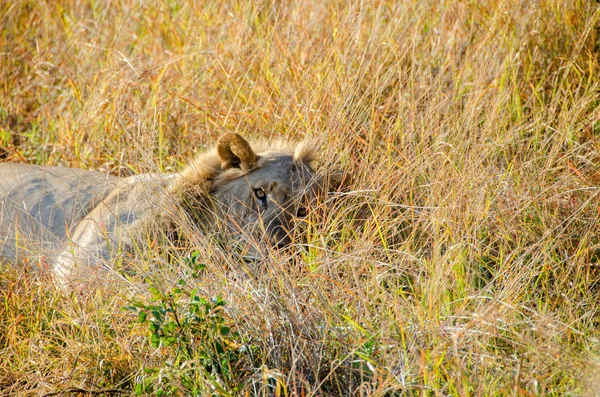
column 40, row 205
column 116, row 226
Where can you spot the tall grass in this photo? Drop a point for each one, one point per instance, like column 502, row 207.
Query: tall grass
column 465, row 260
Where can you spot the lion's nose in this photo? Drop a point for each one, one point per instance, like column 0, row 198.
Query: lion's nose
column 282, row 242
column 280, row 238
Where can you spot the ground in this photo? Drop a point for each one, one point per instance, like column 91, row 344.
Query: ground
column 464, row 260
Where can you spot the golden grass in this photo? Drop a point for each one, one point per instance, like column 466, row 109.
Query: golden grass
column 465, row 261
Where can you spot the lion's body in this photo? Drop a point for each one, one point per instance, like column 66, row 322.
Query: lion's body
column 40, row 206
column 76, row 219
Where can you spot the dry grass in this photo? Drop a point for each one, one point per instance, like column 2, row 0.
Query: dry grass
column 466, row 261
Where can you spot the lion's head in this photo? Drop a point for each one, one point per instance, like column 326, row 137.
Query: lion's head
column 257, row 196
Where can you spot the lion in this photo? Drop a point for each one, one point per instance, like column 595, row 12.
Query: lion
column 77, row 220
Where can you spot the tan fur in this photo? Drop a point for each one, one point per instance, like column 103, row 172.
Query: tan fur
column 233, row 149
column 239, row 193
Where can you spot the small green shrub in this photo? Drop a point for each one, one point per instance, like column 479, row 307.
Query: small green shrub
column 196, row 349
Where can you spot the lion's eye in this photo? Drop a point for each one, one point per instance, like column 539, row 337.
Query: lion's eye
column 260, row 194
column 301, row 213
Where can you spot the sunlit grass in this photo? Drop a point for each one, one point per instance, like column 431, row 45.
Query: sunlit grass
column 464, row 260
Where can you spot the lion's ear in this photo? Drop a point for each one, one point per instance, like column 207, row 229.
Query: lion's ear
column 235, row 152
column 339, row 180
column 333, row 181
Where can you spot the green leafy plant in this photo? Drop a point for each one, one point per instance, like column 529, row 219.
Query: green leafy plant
column 195, row 346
